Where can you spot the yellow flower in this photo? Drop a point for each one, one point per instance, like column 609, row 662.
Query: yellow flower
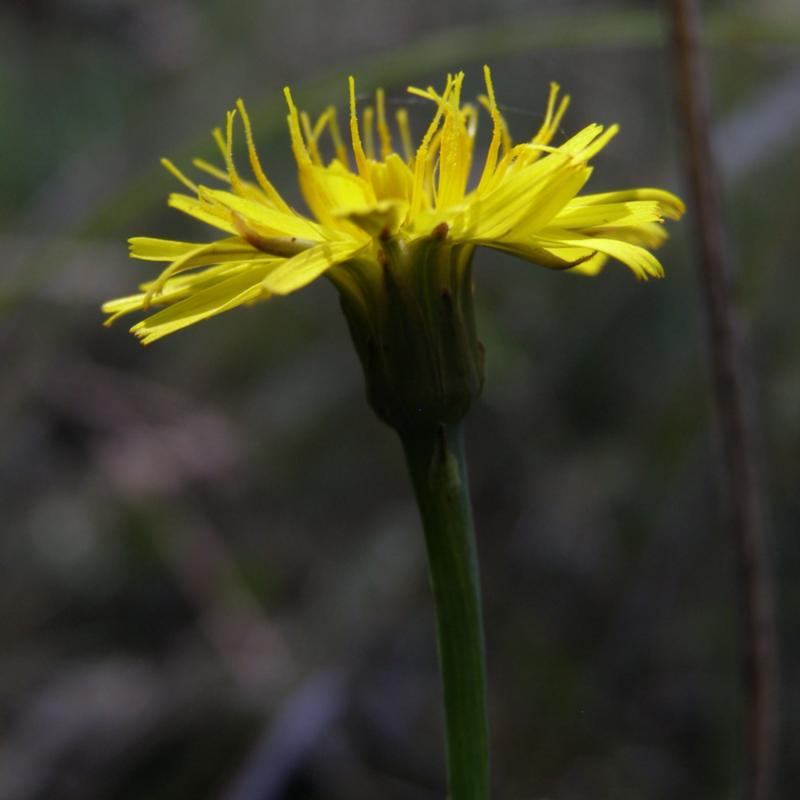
column 389, row 203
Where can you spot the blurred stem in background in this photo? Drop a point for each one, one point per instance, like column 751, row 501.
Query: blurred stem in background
column 438, row 471
column 743, row 503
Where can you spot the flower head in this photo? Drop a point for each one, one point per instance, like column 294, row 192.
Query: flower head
column 380, row 200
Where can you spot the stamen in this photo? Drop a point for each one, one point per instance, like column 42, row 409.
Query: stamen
column 505, row 136
column 430, row 181
column 497, row 132
column 384, row 135
column 358, row 149
column 551, row 102
column 219, row 139
column 299, row 149
column 236, row 181
column 109, row 321
column 204, row 166
column 369, row 126
column 401, row 115
column 452, row 160
column 313, row 150
column 322, row 121
column 552, row 117
column 421, row 157
column 427, row 94
column 562, row 108
column 170, row 167
column 336, row 136
column 255, row 163
column 506, row 143
column 470, row 116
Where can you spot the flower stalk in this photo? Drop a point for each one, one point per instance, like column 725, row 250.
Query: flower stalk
column 435, row 459
column 395, row 232
column 411, row 317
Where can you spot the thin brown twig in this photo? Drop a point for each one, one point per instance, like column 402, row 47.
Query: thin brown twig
column 741, row 491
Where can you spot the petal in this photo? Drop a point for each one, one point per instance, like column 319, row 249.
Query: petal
column 608, row 215
column 203, row 211
column 549, row 203
column 174, row 289
column 383, row 218
column 499, row 211
column 588, row 142
column 392, row 180
column 270, row 218
column 591, row 266
column 650, row 235
column 671, row 205
column 327, row 188
column 641, row 262
column 201, row 256
column 557, row 258
column 302, row 269
column 232, row 249
column 199, row 305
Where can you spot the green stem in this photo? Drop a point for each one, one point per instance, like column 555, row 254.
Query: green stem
column 438, row 471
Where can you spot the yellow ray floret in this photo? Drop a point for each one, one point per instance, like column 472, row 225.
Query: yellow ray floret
column 526, row 200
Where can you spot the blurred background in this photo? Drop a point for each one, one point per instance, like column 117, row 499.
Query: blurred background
column 213, row 576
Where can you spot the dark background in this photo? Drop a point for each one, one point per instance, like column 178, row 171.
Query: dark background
column 212, row 567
